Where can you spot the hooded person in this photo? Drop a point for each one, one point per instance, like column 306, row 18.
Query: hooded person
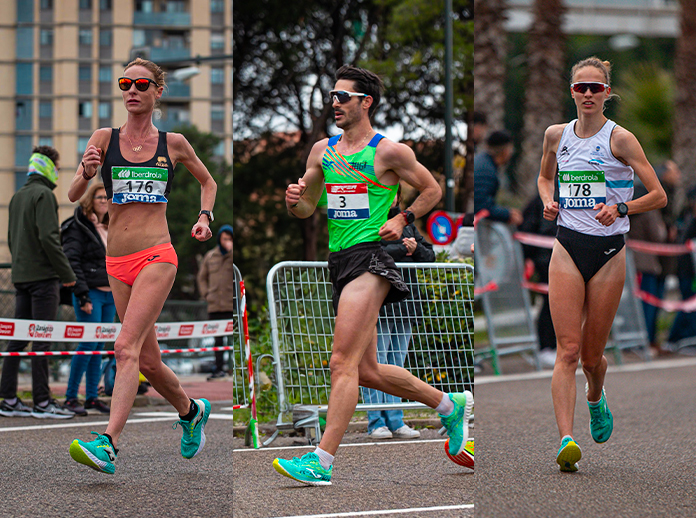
column 39, row 268
column 217, row 287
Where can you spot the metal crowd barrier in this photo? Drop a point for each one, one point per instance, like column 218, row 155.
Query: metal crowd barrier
column 302, row 322
column 511, row 327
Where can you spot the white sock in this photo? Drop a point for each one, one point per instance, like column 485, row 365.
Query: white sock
column 446, row 406
column 325, row 458
column 12, row 401
column 43, row 404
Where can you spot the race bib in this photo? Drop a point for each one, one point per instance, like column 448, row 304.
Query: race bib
column 139, row 184
column 347, row 201
column 581, row 189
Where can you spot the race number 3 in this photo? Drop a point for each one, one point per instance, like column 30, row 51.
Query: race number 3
column 347, row 201
column 581, row 189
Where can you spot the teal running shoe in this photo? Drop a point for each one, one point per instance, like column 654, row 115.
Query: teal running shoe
column 306, row 469
column 98, row 454
column 601, row 420
column 568, row 455
column 457, row 423
column 193, row 438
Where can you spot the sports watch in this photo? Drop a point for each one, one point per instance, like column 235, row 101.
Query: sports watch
column 409, row 216
column 623, row 209
column 208, row 213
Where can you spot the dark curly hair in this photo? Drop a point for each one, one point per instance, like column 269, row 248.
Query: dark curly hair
column 366, row 82
column 48, row 151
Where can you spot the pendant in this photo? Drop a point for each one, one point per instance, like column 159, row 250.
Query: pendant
column 137, row 149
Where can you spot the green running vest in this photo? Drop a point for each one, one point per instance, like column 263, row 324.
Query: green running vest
column 358, row 203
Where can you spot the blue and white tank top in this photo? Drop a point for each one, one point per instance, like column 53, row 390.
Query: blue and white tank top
column 589, row 174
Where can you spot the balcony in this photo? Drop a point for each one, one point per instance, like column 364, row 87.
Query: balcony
column 162, row 19
column 166, row 124
column 177, row 89
column 162, row 53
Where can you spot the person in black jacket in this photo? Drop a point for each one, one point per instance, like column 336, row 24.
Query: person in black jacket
column 394, row 329
column 84, row 243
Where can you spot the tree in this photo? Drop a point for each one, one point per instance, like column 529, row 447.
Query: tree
column 544, row 89
column 489, row 60
column 684, row 146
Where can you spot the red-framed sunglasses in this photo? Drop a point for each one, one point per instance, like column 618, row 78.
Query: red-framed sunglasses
column 141, row 83
column 595, row 88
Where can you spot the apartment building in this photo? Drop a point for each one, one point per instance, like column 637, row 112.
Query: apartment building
column 61, row 59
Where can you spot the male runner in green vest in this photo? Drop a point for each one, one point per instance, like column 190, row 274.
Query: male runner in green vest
column 361, row 171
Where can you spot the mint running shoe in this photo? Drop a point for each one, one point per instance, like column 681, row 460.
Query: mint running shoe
column 568, row 455
column 457, row 423
column 98, row 454
column 306, row 469
column 193, row 438
column 601, row 420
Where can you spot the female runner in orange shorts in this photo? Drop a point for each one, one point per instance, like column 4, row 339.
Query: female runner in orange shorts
column 137, row 164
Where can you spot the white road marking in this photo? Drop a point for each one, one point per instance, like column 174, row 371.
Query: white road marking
column 174, row 415
column 354, row 445
column 77, row 424
column 387, row 511
column 633, row 367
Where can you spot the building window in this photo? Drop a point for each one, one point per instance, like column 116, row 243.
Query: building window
column 25, row 42
column 82, row 144
column 144, row 6
column 85, row 109
column 45, row 73
column 45, row 109
column 85, row 4
column 217, row 40
column 85, row 36
column 219, row 149
column 104, row 110
column 105, row 5
column 139, row 38
column 46, row 5
column 175, row 6
column 105, row 74
column 217, row 75
column 46, row 141
column 85, row 73
column 217, row 112
column 24, row 79
column 217, row 6
column 23, row 147
column 105, row 37
column 46, row 36
column 25, row 11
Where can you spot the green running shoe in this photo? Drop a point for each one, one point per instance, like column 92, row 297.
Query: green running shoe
column 306, row 469
column 457, row 423
column 568, row 455
column 98, row 454
column 193, row 438
column 601, row 420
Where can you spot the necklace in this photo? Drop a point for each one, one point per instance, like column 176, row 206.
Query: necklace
column 361, row 142
column 139, row 146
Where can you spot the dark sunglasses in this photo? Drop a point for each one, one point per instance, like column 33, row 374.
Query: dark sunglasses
column 342, row 96
column 141, row 83
column 595, row 88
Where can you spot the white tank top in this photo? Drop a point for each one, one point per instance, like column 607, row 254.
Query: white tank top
column 589, row 174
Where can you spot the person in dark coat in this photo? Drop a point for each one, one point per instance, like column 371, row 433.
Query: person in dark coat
column 84, row 243
column 394, row 329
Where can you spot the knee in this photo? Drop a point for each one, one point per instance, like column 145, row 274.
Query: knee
column 340, row 365
column 568, row 354
column 124, row 355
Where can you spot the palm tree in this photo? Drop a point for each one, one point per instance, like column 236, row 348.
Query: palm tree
column 684, row 144
column 489, row 60
column 546, row 84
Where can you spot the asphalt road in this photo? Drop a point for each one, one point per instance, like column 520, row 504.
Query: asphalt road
column 646, row 469
column 390, row 475
column 152, row 479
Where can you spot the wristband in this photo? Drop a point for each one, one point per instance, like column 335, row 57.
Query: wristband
column 84, row 172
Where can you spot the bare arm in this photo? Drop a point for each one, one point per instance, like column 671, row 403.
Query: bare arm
column 402, row 160
column 301, row 198
column 91, row 160
column 183, row 153
column 547, row 171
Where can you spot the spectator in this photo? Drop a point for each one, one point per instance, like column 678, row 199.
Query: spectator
column 84, row 243
column 480, row 128
column 216, row 285
column 534, row 223
column 486, row 182
column 394, row 329
column 39, row 266
column 650, row 227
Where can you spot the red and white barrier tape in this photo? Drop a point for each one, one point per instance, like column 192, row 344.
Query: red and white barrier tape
column 491, row 286
column 50, row 331
column 108, row 353
column 537, row 287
